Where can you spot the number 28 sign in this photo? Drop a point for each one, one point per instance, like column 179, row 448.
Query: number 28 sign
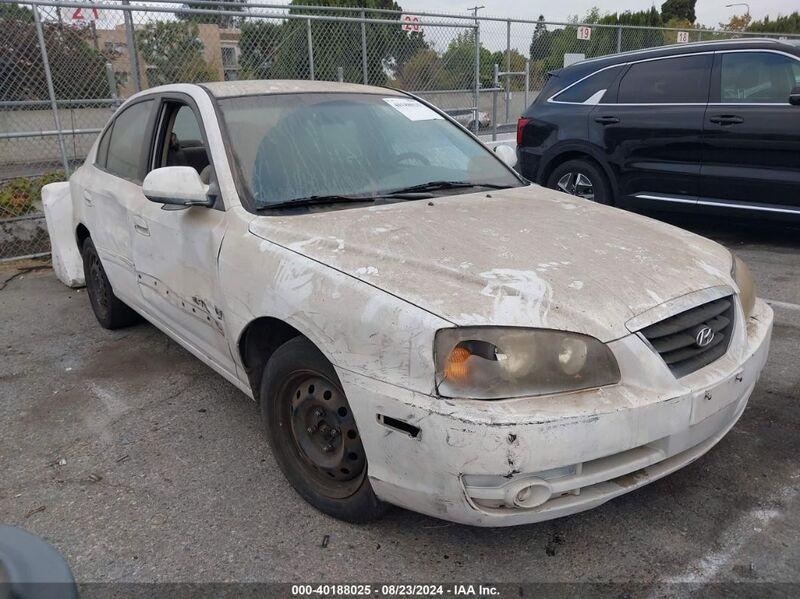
column 411, row 23
column 584, row 32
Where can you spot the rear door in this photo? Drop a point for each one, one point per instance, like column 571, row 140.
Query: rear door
column 751, row 153
column 651, row 128
column 112, row 187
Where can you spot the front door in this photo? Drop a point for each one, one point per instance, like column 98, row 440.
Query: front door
column 652, row 128
column 175, row 250
column 751, row 153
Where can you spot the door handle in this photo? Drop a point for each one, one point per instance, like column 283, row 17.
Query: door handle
column 726, row 119
column 140, row 226
column 606, row 120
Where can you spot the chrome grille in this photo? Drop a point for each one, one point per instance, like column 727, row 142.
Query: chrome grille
column 675, row 338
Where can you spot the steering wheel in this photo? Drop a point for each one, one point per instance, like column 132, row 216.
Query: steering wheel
column 413, row 155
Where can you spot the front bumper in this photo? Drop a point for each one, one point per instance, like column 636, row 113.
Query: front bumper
column 521, row 461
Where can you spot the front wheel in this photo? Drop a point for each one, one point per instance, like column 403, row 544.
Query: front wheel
column 313, row 433
column 581, row 178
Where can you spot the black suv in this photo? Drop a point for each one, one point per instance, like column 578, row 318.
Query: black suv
column 708, row 126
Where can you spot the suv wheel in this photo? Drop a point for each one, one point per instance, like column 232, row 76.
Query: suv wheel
column 583, row 179
column 313, row 433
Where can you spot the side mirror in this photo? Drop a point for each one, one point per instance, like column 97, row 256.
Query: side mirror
column 176, row 186
column 507, row 154
column 794, row 96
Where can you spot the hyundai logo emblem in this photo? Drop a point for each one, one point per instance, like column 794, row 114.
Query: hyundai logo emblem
column 704, row 336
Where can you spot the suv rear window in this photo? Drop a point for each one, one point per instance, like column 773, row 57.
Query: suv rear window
column 679, row 80
column 593, row 84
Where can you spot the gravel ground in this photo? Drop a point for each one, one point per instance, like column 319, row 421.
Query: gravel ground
column 139, row 463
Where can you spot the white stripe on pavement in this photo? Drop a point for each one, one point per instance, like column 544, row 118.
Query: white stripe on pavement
column 784, row 305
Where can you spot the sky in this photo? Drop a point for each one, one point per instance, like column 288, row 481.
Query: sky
column 709, row 12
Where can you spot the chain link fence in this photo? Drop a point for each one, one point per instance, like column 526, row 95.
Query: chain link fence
column 66, row 65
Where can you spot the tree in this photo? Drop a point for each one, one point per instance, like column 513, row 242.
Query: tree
column 224, row 21
column 16, row 12
column 679, row 9
column 459, row 60
column 338, row 44
column 257, row 45
column 173, row 53
column 787, row 24
column 541, row 40
column 78, row 68
column 423, row 72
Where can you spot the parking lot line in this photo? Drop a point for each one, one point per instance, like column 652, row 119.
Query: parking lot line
column 784, row 305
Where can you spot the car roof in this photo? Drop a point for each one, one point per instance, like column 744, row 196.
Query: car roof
column 579, row 69
column 259, row 87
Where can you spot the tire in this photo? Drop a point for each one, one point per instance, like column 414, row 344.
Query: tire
column 109, row 310
column 582, row 178
column 302, row 404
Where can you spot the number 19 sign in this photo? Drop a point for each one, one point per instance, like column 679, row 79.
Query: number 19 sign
column 584, row 32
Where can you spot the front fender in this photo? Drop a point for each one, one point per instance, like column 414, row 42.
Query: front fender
column 358, row 327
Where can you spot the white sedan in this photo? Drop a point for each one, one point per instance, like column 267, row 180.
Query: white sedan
column 419, row 325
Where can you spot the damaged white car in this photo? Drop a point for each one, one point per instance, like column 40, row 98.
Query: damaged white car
column 420, row 326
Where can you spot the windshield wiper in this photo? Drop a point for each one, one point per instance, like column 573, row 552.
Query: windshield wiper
column 435, row 185
column 317, row 200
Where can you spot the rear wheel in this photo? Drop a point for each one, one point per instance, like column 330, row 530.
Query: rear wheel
column 313, row 433
column 110, row 311
column 581, row 178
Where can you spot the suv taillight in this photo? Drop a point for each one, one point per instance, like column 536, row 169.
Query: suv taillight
column 520, row 126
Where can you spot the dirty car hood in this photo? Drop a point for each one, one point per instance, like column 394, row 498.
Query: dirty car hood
column 526, row 256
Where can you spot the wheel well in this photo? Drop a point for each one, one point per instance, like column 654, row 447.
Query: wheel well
column 258, row 342
column 565, row 157
column 81, row 234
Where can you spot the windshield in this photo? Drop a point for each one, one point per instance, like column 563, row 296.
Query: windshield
column 301, row 146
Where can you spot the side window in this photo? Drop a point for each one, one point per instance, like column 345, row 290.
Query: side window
column 102, row 148
column 127, row 138
column 593, row 87
column 681, row 80
column 757, row 77
column 182, row 142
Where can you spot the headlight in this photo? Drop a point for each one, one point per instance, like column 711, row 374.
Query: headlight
column 744, row 281
column 501, row 362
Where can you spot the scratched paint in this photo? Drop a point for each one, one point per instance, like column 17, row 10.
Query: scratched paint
column 371, row 285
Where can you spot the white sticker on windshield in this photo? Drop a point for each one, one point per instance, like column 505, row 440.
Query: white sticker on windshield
column 412, row 110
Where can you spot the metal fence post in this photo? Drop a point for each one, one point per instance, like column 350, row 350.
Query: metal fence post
column 508, row 70
column 339, row 74
column 619, row 39
column 112, row 81
column 495, row 86
column 50, row 89
column 310, row 50
column 364, row 64
column 130, row 39
column 527, row 80
column 475, row 124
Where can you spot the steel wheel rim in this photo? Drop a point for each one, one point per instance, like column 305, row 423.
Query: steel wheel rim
column 576, row 184
column 324, row 432
column 99, row 293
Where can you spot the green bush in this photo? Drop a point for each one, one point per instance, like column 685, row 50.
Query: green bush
column 22, row 195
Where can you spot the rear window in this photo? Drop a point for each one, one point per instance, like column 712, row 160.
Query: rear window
column 680, row 80
column 593, row 86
